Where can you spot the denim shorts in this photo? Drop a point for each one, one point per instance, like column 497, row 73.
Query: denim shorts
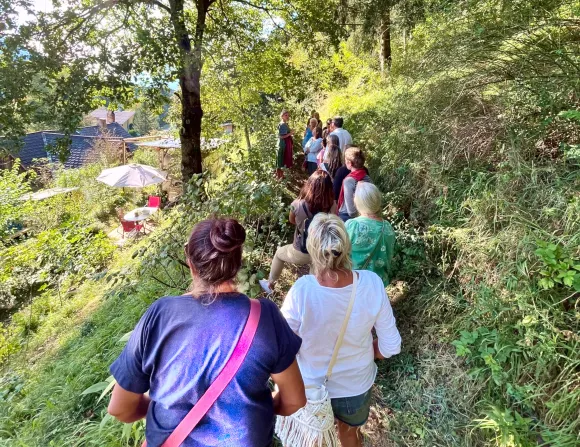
column 353, row 411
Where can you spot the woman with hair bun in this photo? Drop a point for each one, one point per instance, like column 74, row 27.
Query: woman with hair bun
column 182, row 343
column 315, row 309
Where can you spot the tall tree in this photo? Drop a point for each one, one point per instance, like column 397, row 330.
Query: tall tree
column 385, row 39
column 104, row 48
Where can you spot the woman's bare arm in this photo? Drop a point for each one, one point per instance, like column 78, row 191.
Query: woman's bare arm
column 292, row 218
column 291, row 395
column 127, row 406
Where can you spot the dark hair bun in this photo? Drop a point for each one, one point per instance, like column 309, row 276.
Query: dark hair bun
column 226, row 235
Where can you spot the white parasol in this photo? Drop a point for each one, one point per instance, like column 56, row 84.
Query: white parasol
column 133, row 175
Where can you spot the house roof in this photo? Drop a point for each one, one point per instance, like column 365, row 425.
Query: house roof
column 35, row 144
column 80, row 151
column 33, row 147
column 121, row 117
column 113, row 130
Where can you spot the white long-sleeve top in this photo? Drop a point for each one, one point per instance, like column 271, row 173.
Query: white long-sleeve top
column 316, row 313
column 312, row 148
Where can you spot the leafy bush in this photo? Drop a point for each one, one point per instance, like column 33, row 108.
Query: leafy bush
column 12, row 209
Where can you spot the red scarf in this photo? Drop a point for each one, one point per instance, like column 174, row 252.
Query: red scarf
column 358, row 175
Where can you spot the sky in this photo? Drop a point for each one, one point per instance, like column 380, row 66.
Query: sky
column 38, row 6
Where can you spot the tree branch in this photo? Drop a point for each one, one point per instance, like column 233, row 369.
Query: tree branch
column 161, row 5
column 260, row 7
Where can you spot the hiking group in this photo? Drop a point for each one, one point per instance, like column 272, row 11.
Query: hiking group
column 213, row 367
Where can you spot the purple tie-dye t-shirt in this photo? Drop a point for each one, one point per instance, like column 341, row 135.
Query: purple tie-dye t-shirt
column 177, row 350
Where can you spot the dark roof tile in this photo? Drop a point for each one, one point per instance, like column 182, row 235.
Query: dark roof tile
column 114, row 130
column 33, row 147
column 81, row 149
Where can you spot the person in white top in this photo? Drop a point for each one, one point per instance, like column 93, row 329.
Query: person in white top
column 344, row 137
column 311, row 150
column 315, row 308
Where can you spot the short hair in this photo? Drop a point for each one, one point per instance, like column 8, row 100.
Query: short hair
column 313, row 119
column 328, row 244
column 338, row 121
column 355, row 156
column 282, row 113
column 367, row 198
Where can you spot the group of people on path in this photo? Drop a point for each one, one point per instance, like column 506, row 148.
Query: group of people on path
column 316, row 142
column 339, row 184
column 183, row 344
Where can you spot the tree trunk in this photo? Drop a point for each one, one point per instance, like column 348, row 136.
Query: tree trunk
column 189, row 81
column 247, row 134
column 246, row 128
column 191, row 116
column 385, row 35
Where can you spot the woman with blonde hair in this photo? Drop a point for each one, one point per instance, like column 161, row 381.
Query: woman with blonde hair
column 315, row 308
column 371, row 236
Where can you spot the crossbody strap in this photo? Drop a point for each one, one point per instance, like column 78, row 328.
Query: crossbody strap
column 306, row 210
column 379, row 242
column 226, row 375
column 343, row 328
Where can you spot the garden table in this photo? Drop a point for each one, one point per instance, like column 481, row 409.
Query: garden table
column 140, row 214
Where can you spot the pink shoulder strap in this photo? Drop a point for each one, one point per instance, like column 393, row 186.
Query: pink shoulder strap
column 202, row 406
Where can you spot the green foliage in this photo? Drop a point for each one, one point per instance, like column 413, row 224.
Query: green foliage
column 559, row 267
column 13, row 185
column 509, row 427
column 48, row 259
column 474, row 145
column 16, row 72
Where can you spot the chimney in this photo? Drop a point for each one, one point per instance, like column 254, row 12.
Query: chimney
column 102, row 123
column 110, row 116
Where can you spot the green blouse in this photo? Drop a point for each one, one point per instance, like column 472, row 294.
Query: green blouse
column 373, row 243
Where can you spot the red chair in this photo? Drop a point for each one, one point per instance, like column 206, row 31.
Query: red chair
column 154, row 202
column 130, row 226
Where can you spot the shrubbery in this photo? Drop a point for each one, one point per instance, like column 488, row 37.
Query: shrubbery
column 476, row 152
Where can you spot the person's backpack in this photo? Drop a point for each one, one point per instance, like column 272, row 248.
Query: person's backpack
column 303, row 232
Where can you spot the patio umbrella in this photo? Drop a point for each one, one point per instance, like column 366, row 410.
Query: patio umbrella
column 132, row 175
